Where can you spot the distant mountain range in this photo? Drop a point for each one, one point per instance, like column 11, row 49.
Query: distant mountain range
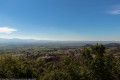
column 15, row 40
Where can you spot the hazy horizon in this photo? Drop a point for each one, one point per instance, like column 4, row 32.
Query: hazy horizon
column 59, row 40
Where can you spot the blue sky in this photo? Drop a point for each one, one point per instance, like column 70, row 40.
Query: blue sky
column 60, row 19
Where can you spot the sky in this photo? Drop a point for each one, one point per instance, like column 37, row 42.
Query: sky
column 71, row 20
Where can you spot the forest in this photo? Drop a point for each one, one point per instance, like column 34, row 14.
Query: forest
column 86, row 63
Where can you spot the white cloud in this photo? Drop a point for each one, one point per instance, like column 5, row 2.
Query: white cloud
column 6, row 30
column 115, row 12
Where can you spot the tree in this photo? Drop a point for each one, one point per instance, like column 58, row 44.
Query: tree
column 98, row 49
